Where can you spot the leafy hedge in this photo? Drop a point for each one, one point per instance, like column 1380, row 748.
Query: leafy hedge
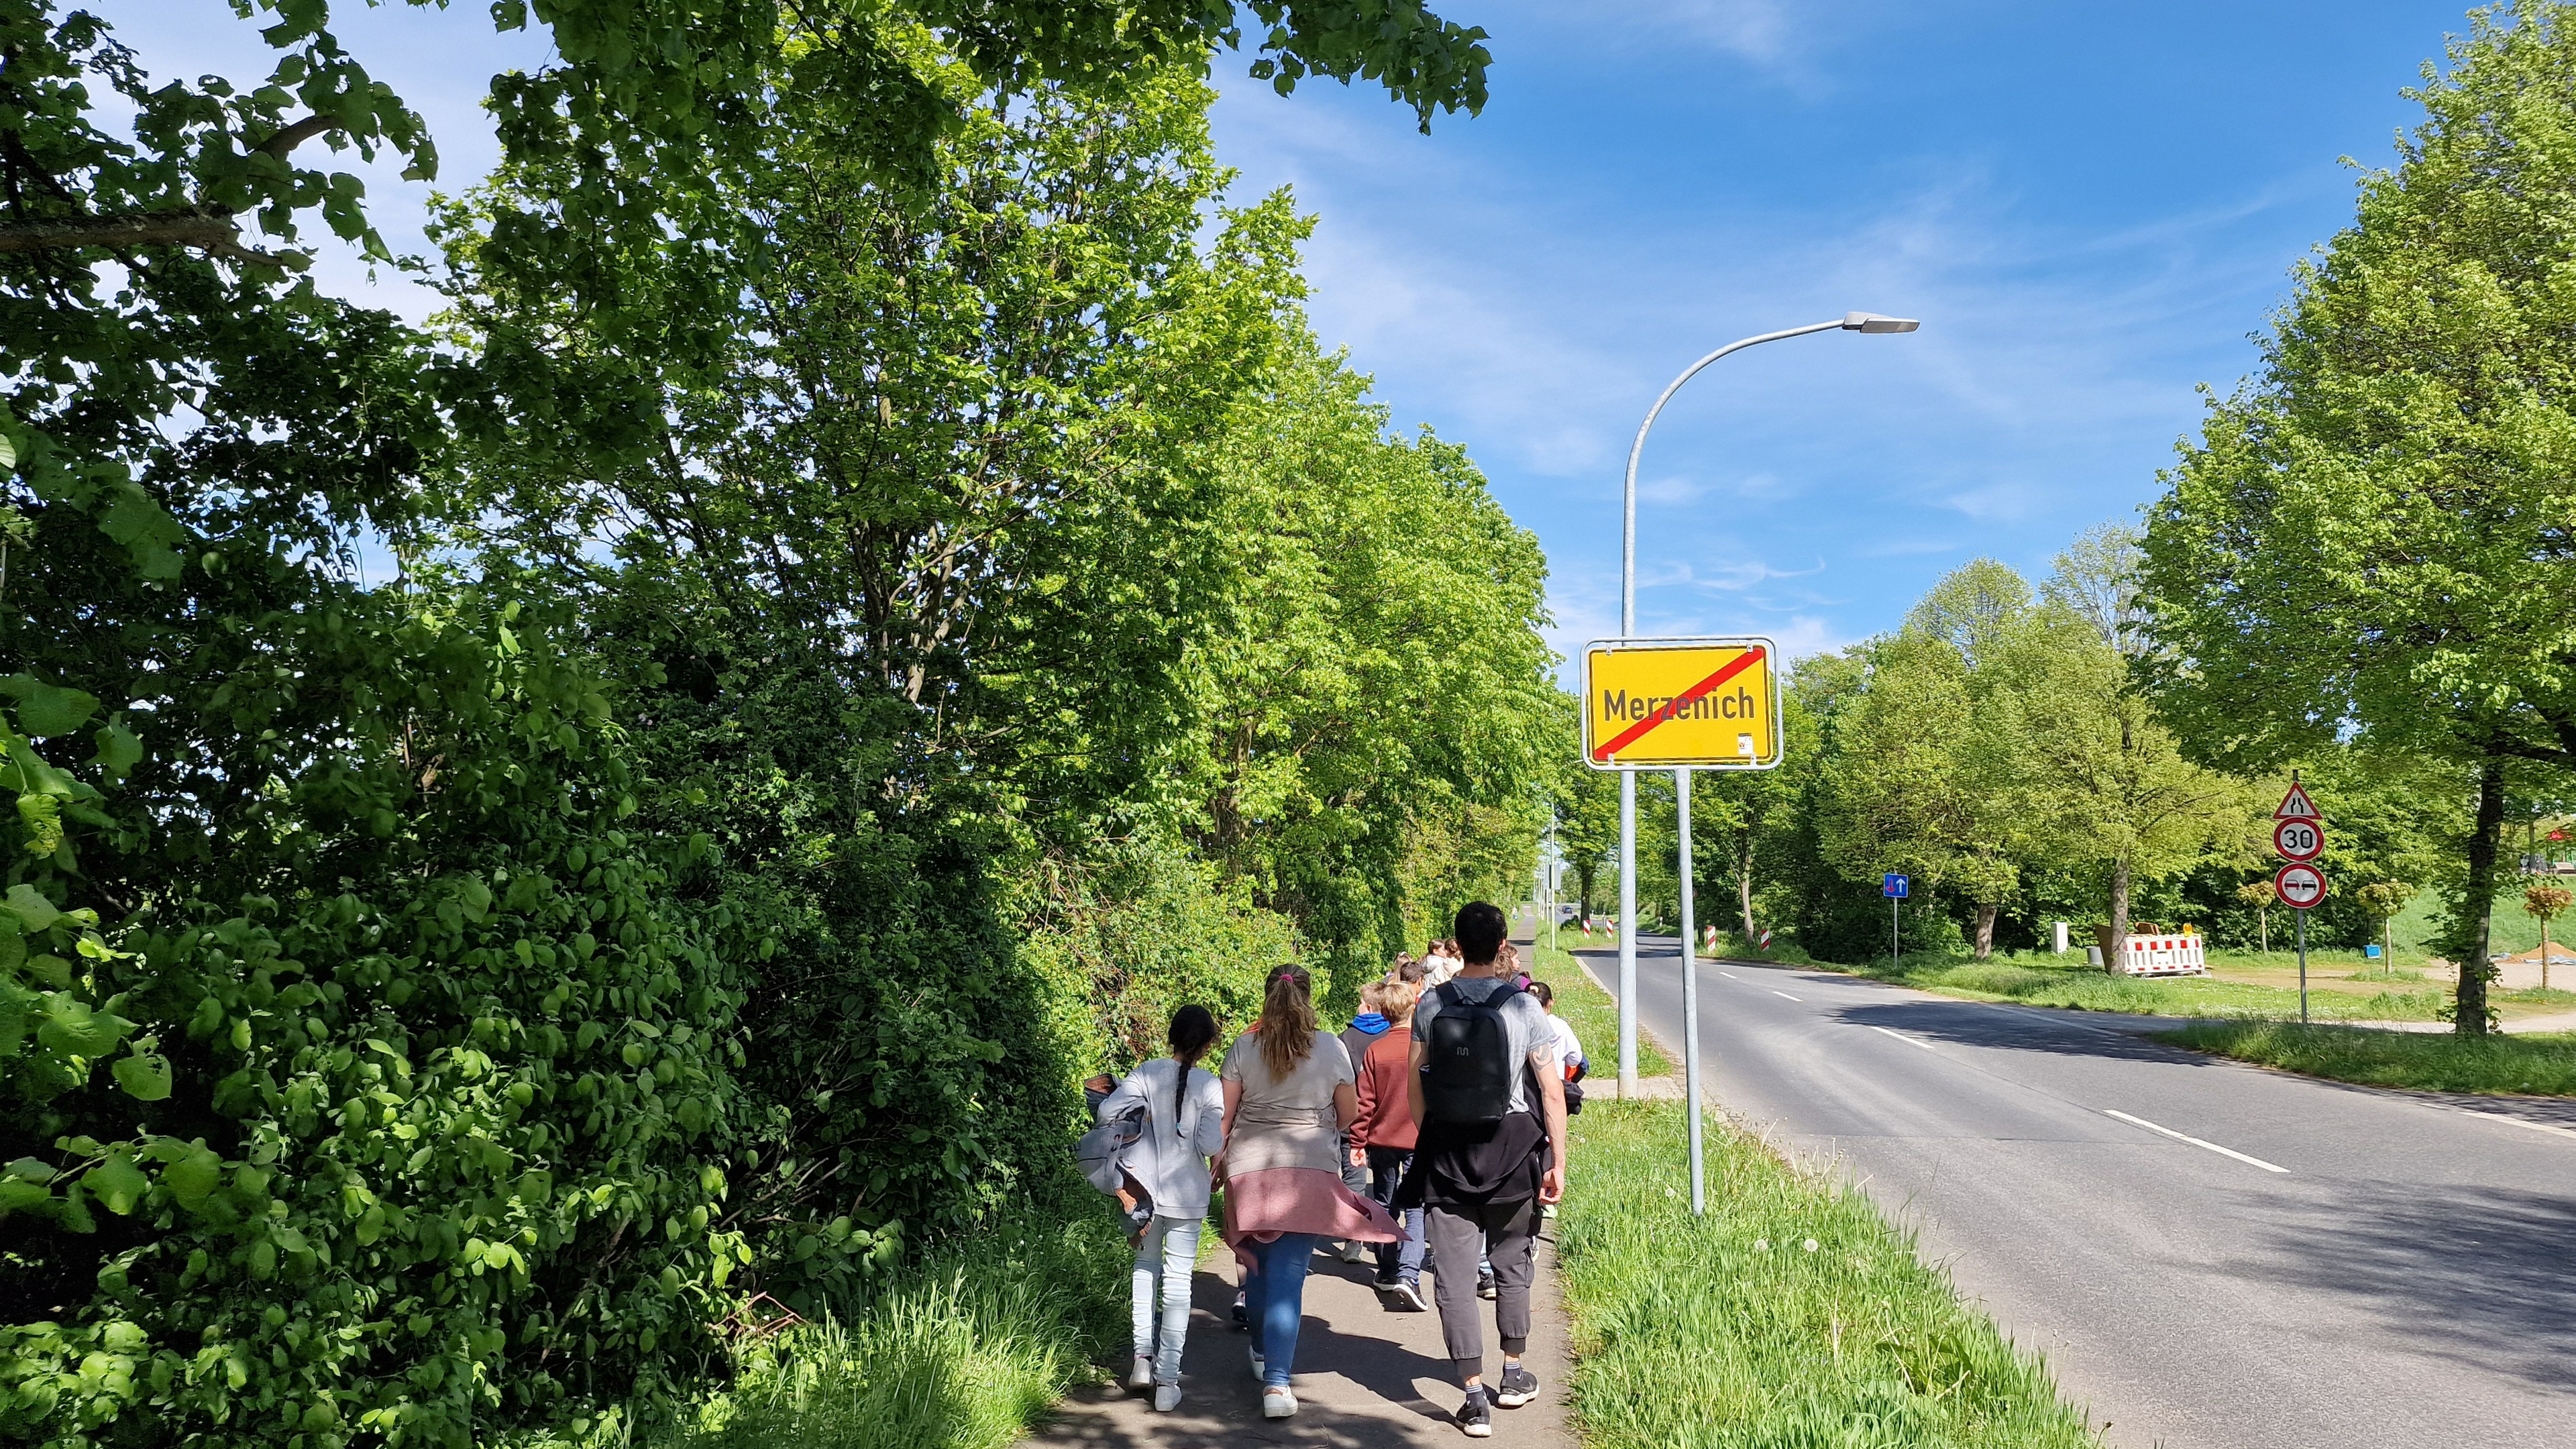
column 424, row 1138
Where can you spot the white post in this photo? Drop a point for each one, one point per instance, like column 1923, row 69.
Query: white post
column 1627, row 933
column 2060, row 938
column 1690, row 996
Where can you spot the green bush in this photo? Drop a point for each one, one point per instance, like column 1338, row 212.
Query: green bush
column 434, row 1073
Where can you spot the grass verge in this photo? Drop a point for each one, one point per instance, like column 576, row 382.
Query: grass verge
column 964, row 1350
column 1791, row 1316
column 1595, row 1015
column 2536, row 1065
column 2040, row 981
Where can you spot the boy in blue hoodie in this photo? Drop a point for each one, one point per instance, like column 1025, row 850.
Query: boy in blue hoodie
column 1364, row 1029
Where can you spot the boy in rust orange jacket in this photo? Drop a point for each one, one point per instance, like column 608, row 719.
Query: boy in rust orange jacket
column 1383, row 1137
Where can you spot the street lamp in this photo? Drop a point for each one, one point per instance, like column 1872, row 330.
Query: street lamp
column 1864, row 322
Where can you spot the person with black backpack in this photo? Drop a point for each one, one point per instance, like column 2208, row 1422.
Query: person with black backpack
column 1490, row 1152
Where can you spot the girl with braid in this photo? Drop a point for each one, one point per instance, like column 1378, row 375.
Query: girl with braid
column 1184, row 1126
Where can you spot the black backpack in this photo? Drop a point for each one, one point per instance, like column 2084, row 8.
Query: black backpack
column 1467, row 1066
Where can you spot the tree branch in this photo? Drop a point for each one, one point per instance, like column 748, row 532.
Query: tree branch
column 297, row 134
column 210, row 231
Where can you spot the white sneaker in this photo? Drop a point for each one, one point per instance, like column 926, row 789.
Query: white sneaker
column 1141, row 1375
column 1277, row 1403
column 1167, row 1397
column 1259, row 1366
column 1358, row 1252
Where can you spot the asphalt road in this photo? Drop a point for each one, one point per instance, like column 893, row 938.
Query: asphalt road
column 2407, row 1278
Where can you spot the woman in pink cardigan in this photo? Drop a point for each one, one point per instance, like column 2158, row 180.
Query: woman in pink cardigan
column 1288, row 1099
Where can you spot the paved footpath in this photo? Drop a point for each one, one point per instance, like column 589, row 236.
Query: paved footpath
column 1366, row 1378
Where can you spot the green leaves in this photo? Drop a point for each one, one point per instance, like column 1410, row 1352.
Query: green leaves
column 43, row 710
column 144, row 1075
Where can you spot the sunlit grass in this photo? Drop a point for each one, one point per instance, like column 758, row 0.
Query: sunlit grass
column 1791, row 1315
column 965, row 1350
column 2539, row 1064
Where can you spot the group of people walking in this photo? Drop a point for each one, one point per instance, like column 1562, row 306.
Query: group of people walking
column 1429, row 1135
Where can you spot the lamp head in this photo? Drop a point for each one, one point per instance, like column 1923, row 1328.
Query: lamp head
column 1872, row 322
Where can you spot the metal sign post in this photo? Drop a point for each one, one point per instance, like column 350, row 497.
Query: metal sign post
column 2299, row 835
column 1690, row 995
column 1626, row 927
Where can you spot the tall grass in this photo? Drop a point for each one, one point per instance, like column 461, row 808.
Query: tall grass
column 964, row 1350
column 1791, row 1317
column 2537, row 1065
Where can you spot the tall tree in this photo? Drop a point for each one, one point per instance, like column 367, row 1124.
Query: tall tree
column 1379, row 705
column 2372, row 538
column 2103, row 779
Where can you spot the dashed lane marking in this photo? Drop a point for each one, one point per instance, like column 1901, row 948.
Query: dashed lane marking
column 1900, row 1036
column 1786, row 996
column 2194, row 1141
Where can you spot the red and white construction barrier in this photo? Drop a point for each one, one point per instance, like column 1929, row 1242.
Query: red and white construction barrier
column 2154, row 953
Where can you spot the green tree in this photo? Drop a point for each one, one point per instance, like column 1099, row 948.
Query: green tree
column 1380, row 718
column 2385, row 899
column 1740, row 819
column 1586, row 802
column 2103, row 780
column 2363, row 539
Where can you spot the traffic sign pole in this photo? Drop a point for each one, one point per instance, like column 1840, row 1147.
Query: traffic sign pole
column 2298, row 833
column 1690, row 994
column 2303, row 968
column 1627, row 934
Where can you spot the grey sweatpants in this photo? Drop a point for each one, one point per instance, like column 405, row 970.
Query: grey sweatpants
column 1508, row 1230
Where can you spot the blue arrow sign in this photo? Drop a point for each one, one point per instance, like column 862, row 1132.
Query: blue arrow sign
column 1896, row 886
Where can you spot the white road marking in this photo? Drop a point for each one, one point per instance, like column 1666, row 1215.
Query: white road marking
column 2514, row 1121
column 1785, row 994
column 1900, row 1036
column 2194, row 1141
column 1731, row 976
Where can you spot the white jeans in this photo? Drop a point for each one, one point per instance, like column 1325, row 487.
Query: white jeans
column 1167, row 1255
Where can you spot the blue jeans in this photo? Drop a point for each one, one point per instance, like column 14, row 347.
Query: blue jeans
column 1396, row 1262
column 1274, row 1293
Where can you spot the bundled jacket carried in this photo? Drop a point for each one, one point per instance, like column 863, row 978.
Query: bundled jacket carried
column 1169, row 1158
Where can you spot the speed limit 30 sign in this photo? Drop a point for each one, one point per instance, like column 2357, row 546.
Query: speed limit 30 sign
column 2298, row 839
column 2299, row 885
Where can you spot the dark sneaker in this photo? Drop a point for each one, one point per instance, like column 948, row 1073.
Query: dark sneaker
column 1474, row 1417
column 1518, row 1387
column 1242, row 1315
column 1485, row 1284
column 1406, row 1297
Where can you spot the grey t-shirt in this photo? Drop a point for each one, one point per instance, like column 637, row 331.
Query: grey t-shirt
column 1524, row 1020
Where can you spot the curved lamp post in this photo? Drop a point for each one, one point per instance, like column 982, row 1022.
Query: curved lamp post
column 1866, row 322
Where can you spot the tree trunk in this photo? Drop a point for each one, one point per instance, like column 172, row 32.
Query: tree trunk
column 1744, row 884
column 1583, row 883
column 2119, row 916
column 1985, row 930
column 2470, row 1016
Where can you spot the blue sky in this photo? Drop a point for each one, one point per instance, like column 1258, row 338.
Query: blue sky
column 2089, row 206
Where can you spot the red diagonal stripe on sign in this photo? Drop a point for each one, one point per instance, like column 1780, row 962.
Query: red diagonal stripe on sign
column 1637, row 731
